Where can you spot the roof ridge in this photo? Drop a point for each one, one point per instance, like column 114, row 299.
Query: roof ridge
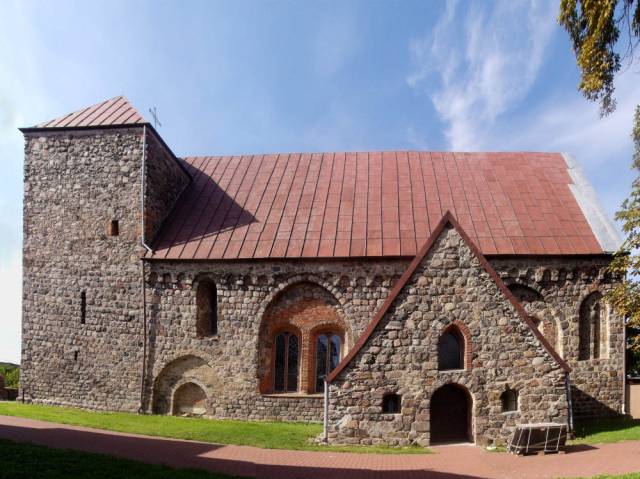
column 447, row 219
column 116, row 111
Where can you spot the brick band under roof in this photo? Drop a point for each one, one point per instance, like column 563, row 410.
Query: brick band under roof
column 373, row 204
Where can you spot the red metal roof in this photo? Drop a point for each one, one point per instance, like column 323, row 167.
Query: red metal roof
column 373, row 204
column 117, row 111
column 447, row 219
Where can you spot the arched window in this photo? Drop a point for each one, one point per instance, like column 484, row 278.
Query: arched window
column 327, row 357
column 451, row 350
column 509, row 400
column 114, row 228
column 207, row 305
column 391, row 403
column 590, row 331
column 286, row 362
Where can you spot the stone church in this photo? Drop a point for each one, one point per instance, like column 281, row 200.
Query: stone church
column 437, row 296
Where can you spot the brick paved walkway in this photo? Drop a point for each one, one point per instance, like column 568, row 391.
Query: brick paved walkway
column 448, row 462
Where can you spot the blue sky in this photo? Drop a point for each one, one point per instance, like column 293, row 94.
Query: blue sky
column 233, row 77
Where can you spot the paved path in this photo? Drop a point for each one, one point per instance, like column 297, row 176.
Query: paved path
column 448, row 462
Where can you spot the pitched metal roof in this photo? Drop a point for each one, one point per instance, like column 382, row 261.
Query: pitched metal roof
column 447, row 219
column 373, row 204
column 114, row 112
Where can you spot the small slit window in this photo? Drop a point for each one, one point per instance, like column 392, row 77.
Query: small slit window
column 75, row 355
column 83, row 307
column 114, row 228
column 509, row 400
column 391, row 403
column 207, row 309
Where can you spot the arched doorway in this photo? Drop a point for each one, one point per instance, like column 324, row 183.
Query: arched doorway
column 450, row 412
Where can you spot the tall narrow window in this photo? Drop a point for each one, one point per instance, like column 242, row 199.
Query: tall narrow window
column 114, row 228
column 327, row 357
column 451, row 350
column 286, row 362
column 590, row 327
column 83, row 307
column 207, row 305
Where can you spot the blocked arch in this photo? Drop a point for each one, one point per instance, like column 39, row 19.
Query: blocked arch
column 462, row 330
column 593, row 332
column 177, row 373
column 542, row 313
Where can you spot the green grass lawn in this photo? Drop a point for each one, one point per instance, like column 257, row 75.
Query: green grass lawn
column 606, row 430
column 631, row 475
column 23, row 460
column 270, row 435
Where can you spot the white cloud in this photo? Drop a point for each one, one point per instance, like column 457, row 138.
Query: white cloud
column 477, row 69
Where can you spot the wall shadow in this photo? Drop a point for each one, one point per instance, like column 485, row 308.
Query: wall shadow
column 586, row 406
column 203, row 209
column 187, row 454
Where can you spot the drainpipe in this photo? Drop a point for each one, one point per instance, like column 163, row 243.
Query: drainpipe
column 142, row 264
column 325, row 437
column 567, row 385
column 624, row 366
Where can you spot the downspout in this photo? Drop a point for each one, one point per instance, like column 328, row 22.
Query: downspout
column 325, row 435
column 142, row 264
column 624, row 366
column 567, row 385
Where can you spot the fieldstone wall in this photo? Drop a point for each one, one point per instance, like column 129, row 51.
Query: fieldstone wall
column 77, row 182
column 564, row 283
column 448, row 287
column 250, row 295
column 164, row 182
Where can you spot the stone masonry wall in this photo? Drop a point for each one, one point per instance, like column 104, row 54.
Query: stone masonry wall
column 76, row 183
column 245, row 291
column 164, row 181
column 597, row 384
column 448, row 287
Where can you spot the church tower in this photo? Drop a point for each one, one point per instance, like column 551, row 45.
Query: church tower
column 98, row 184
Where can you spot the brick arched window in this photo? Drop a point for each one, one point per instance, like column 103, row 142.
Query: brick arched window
column 328, row 350
column 590, row 327
column 451, row 349
column 207, row 305
column 286, row 362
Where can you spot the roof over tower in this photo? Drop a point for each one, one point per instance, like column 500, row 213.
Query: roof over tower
column 114, row 112
column 375, row 204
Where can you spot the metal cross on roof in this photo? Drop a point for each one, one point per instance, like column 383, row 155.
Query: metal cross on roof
column 154, row 114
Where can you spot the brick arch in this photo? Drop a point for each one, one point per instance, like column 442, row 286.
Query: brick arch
column 302, row 278
column 466, row 336
column 316, row 307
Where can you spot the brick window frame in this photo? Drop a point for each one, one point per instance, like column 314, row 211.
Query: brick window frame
column 292, row 331
column 313, row 352
column 467, row 346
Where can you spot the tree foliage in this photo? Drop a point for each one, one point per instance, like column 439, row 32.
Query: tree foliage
column 594, row 27
column 595, row 30
column 11, row 376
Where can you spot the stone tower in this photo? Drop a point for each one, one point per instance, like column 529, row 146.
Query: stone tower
column 98, row 184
